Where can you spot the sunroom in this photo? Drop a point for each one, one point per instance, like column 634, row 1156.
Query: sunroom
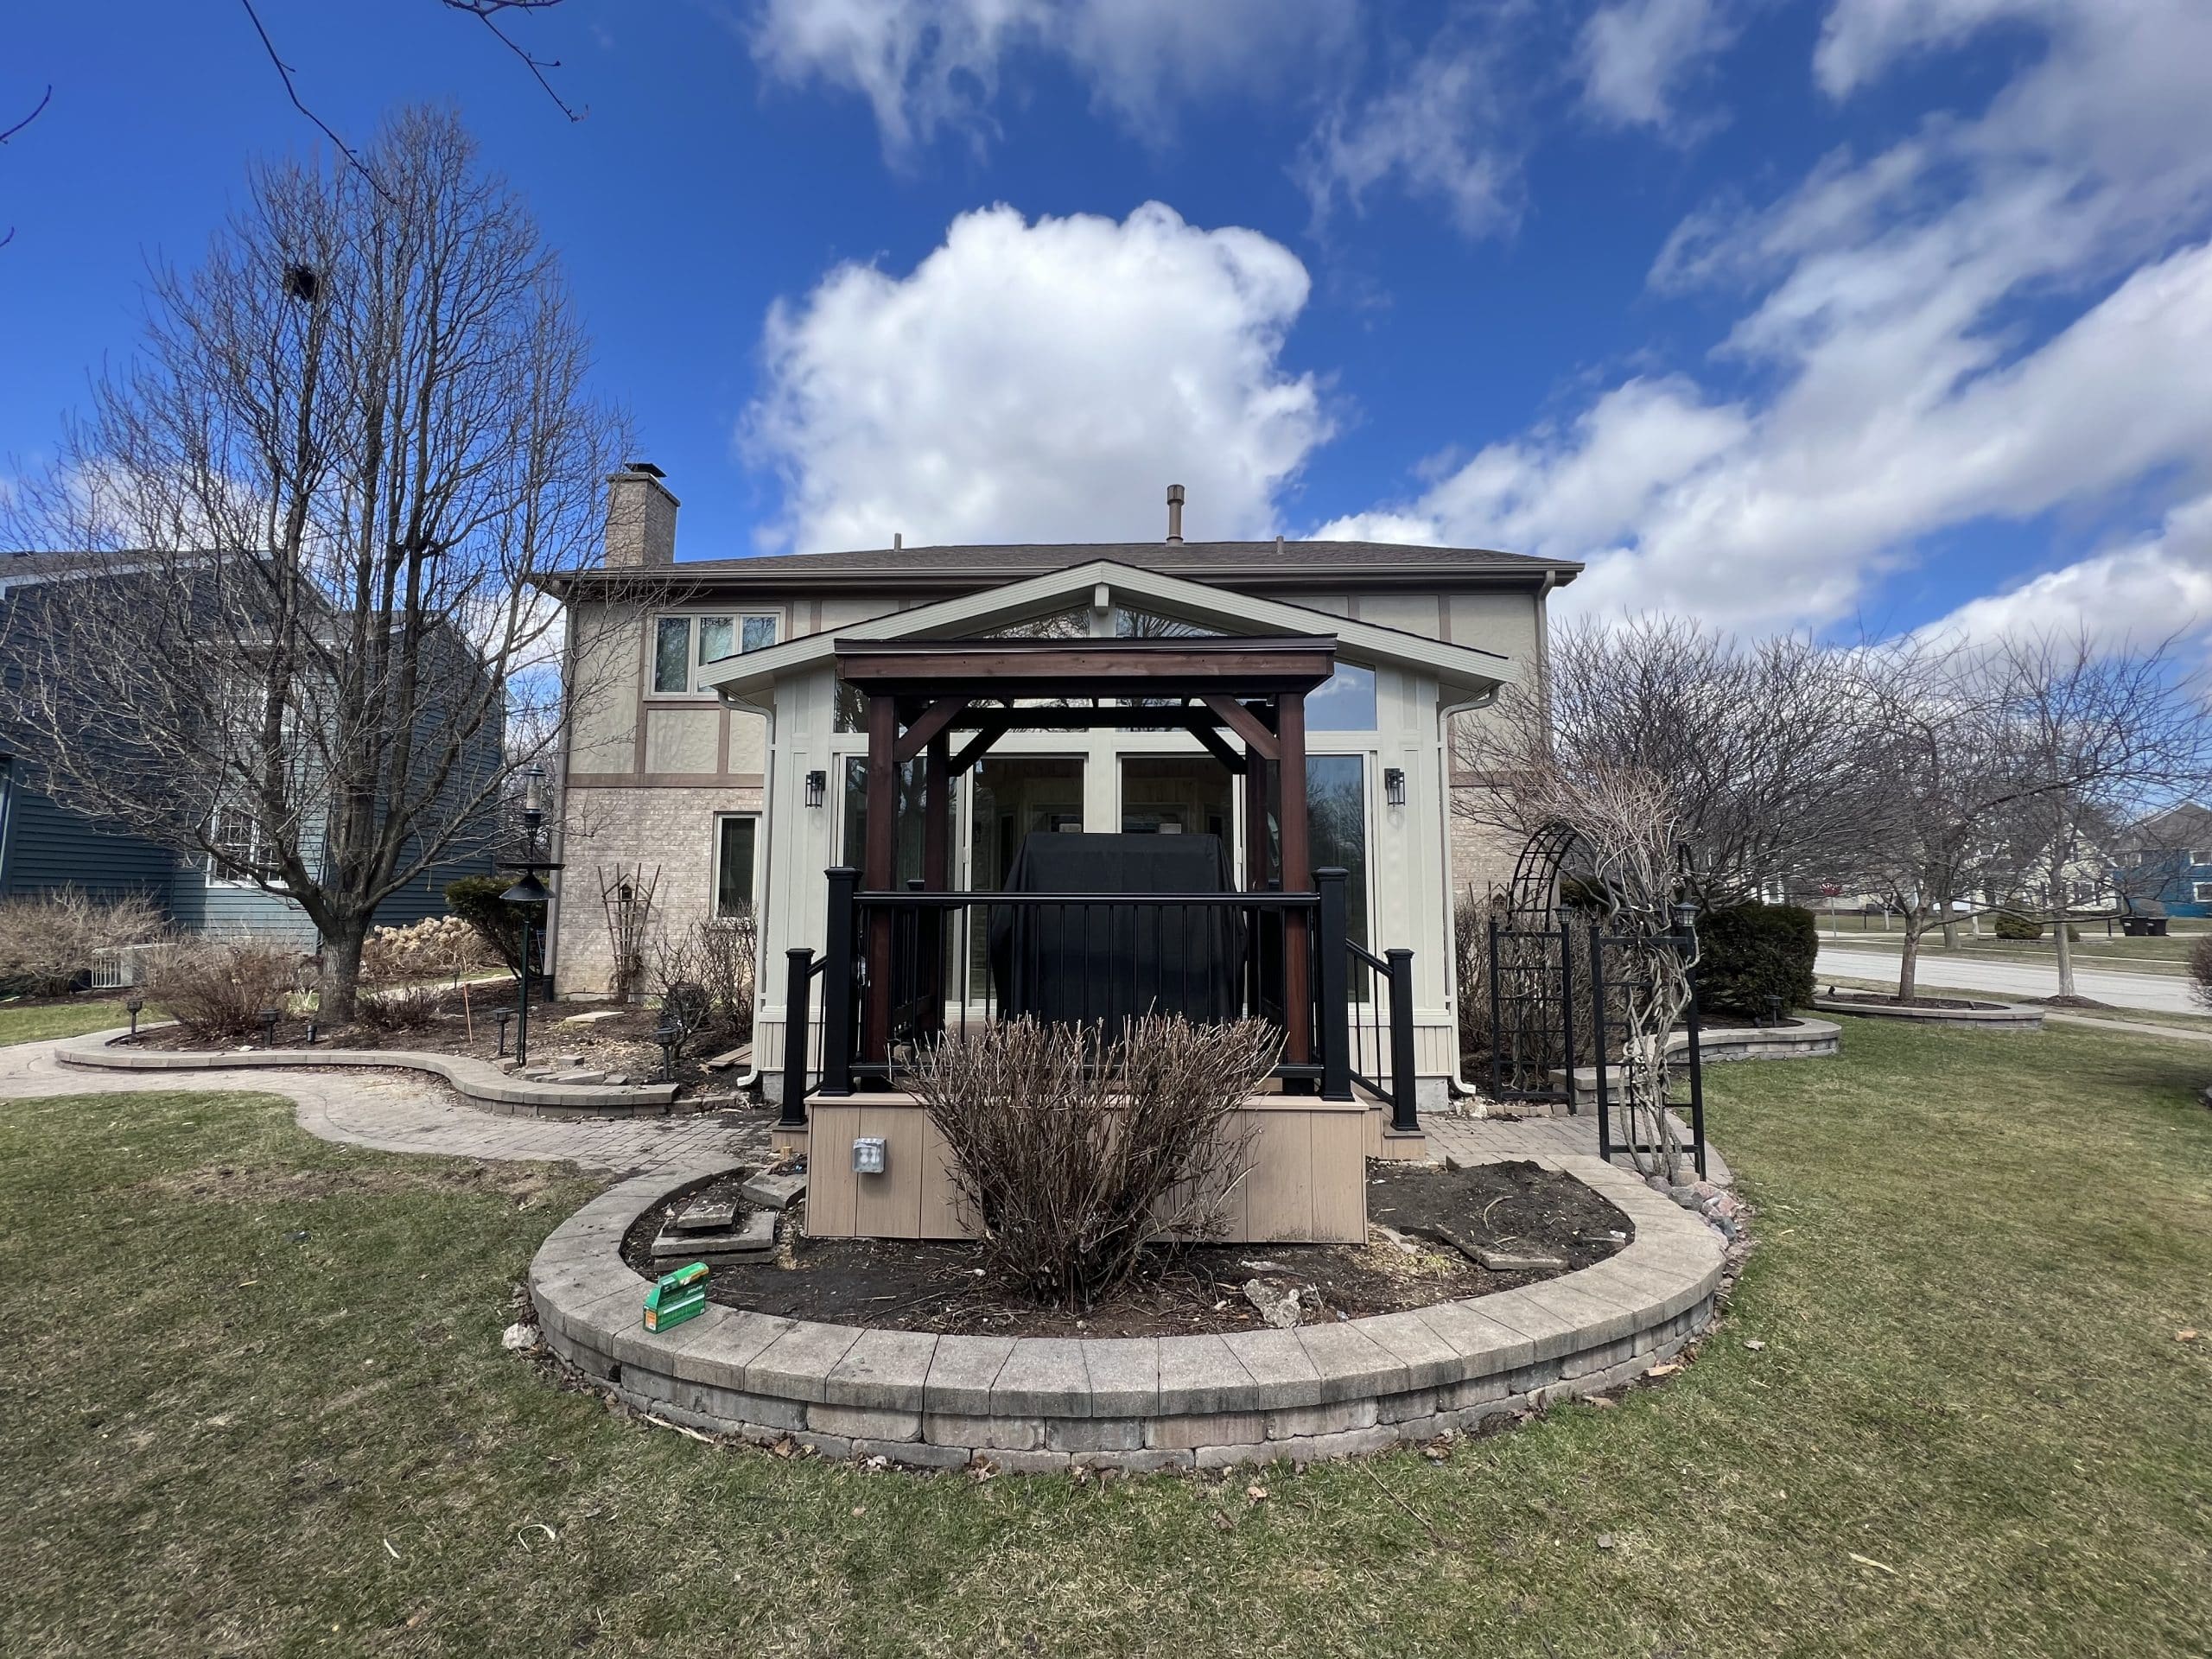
column 1106, row 791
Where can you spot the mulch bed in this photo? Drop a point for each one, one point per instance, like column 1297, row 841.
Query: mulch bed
column 938, row 1285
column 622, row 1045
column 1889, row 1002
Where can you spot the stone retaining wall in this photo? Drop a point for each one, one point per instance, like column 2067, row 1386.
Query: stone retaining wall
column 1031, row 1403
column 1984, row 1016
column 479, row 1080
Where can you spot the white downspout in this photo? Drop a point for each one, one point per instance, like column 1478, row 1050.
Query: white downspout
column 761, row 853
column 1455, row 1081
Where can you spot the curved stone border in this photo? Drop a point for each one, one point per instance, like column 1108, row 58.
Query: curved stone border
column 1982, row 1016
column 1808, row 1040
column 1037, row 1403
column 479, row 1080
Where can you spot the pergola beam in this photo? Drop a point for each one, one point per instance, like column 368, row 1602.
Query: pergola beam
column 923, row 729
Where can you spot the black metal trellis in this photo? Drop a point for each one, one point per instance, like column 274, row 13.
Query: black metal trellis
column 1531, row 974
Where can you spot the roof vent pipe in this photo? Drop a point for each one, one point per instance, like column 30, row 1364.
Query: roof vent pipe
column 1174, row 512
column 898, row 540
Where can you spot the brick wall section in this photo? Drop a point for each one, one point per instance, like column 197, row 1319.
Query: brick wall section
column 668, row 829
column 1204, row 1401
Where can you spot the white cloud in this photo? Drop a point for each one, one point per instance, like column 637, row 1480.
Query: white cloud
column 1439, row 133
column 1904, row 389
column 1040, row 381
column 929, row 65
column 2159, row 585
column 1635, row 55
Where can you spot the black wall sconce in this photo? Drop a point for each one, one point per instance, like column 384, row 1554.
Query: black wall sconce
column 818, row 786
column 1394, row 786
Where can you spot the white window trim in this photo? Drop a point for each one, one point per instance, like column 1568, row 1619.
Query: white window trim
column 692, row 619
column 209, row 868
column 2203, row 891
column 714, row 862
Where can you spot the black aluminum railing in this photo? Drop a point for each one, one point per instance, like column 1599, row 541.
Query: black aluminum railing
column 949, row 960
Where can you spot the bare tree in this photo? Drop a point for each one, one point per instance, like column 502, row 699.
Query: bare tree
column 1952, row 773
column 310, row 514
column 1766, row 763
column 2103, row 737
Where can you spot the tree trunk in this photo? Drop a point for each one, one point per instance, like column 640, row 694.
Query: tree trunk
column 2065, row 951
column 1950, row 931
column 1908, row 958
column 341, row 972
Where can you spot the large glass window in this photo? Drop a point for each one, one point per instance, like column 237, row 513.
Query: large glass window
column 735, row 839
column 1016, row 795
column 906, row 845
column 1344, row 703
column 682, row 644
column 1336, row 826
column 1176, row 795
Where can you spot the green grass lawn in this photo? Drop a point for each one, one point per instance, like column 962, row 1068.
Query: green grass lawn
column 1971, row 1429
column 42, row 1022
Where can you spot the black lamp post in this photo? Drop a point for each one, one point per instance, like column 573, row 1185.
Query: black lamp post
column 668, row 1034
column 526, row 893
column 505, row 1017
column 133, row 1004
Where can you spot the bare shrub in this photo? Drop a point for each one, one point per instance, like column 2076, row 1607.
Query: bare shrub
column 408, row 974
column 673, row 970
column 47, row 944
column 1471, row 972
column 1076, row 1154
column 2200, row 970
column 219, row 987
column 726, row 949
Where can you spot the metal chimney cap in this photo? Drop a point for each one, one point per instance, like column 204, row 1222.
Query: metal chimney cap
column 1174, row 495
column 645, row 467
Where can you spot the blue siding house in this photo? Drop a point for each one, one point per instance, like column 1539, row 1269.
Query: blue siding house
column 45, row 845
column 2166, row 861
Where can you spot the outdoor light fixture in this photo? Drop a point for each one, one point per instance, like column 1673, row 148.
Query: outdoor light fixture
column 504, row 1018
column 1394, row 786
column 1773, row 1009
column 668, row 1035
column 268, row 1018
column 524, row 894
column 533, row 803
column 1686, row 917
column 871, row 1155
column 132, row 1005
column 818, row 786
column 312, row 1026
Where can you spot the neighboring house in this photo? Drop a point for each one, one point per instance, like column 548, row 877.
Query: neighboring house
column 45, row 845
column 717, row 736
column 2164, row 862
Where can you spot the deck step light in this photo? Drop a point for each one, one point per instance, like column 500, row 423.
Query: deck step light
column 676, row 1297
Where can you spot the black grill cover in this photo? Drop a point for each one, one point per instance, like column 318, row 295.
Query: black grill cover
column 1078, row 963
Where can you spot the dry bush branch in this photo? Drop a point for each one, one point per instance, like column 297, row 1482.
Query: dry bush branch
column 1077, row 1155
column 219, row 988
column 51, row 942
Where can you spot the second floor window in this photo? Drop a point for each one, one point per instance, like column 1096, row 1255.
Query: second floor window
column 683, row 645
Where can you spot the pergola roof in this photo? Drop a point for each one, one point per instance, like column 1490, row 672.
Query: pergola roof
column 1189, row 666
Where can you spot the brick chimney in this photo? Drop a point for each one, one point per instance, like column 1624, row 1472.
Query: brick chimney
column 640, row 518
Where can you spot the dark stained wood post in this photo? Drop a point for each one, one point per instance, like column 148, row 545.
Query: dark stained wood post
column 1255, row 821
column 937, row 875
column 876, row 870
column 1297, row 877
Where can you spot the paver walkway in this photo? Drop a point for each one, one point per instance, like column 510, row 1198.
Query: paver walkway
column 1539, row 1137
column 399, row 1111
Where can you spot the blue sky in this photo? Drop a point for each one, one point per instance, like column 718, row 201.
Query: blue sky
column 1789, row 315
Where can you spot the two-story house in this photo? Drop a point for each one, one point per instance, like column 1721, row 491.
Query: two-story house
column 720, row 723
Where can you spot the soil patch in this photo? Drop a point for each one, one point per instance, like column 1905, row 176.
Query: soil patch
column 621, row 1043
column 939, row 1285
column 1892, row 1001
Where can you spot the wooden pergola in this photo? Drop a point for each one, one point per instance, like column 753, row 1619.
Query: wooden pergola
column 946, row 702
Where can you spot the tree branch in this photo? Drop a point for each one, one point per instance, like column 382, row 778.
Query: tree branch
column 486, row 12
column 284, row 71
column 39, row 109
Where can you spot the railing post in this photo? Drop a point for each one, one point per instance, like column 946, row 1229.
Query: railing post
column 1404, row 1116
column 1496, row 1020
column 1336, row 1003
column 1697, row 1082
column 1567, row 1010
column 837, row 984
column 1597, row 1033
column 799, row 977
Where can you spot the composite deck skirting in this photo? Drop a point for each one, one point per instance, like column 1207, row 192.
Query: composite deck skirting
column 1205, row 1402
